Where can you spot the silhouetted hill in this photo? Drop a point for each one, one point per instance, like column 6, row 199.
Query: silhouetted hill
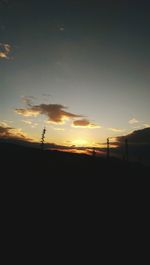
column 25, row 161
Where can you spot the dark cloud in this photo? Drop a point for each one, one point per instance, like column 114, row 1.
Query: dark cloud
column 7, row 132
column 137, row 137
column 138, row 145
column 55, row 112
column 84, row 123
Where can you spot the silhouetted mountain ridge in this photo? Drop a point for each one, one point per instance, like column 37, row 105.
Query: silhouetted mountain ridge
column 20, row 160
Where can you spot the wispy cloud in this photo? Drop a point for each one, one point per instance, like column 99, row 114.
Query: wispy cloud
column 133, row 121
column 27, row 122
column 7, row 121
column 28, row 112
column 61, row 28
column 4, row 51
column 58, row 129
column 32, row 124
column 84, row 123
column 116, row 130
column 28, row 100
column 3, row 124
column 146, row 125
column 46, row 95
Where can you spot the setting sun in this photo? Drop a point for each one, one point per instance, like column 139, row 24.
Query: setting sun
column 80, row 142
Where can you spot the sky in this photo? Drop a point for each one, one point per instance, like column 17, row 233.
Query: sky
column 80, row 68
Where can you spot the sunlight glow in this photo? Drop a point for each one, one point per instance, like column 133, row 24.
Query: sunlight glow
column 80, row 142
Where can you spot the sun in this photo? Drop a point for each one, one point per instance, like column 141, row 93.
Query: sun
column 79, row 142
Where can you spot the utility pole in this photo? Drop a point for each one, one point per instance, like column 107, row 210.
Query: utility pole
column 43, row 138
column 126, row 150
column 108, row 150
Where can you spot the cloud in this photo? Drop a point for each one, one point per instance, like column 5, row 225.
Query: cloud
column 4, row 50
column 56, row 113
column 139, row 145
column 28, row 100
column 27, row 122
column 146, row 125
column 61, row 28
column 137, row 137
column 116, row 130
column 3, row 124
column 46, row 95
column 84, row 123
column 58, row 129
column 7, row 121
column 7, row 132
column 28, row 112
column 33, row 124
column 133, row 121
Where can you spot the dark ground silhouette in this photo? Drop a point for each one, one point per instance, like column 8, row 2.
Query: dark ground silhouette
column 24, row 161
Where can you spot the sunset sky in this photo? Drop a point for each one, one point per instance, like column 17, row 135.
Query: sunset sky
column 80, row 68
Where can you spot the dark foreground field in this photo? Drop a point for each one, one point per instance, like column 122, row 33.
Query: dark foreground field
column 24, row 161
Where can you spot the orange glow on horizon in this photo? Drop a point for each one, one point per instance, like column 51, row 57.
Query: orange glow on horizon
column 79, row 151
column 80, row 142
